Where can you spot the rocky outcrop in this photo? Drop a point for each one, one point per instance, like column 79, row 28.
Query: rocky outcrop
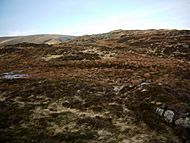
column 160, row 111
column 185, row 122
column 170, row 117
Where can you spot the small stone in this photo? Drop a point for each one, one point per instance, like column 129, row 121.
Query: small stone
column 145, row 83
column 179, row 121
column 159, row 111
column 159, row 83
column 187, row 122
column 65, row 103
column 169, row 116
column 158, row 103
column 104, row 133
column 183, row 122
column 78, row 91
column 117, row 89
column 144, row 90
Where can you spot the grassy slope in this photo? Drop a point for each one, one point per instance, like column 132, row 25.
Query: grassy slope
column 39, row 39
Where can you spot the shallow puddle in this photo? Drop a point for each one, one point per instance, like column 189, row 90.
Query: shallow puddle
column 12, row 75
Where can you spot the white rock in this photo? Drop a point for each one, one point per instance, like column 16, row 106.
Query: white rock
column 159, row 111
column 145, row 83
column 118, row 88
column 187, row 122
column 144, row 90
column 169, row 116
column 104, row 133
column 183, row 122
column 156, row 103
column 179, row 121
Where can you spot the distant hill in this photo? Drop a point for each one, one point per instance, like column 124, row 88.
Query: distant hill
column 38, row 39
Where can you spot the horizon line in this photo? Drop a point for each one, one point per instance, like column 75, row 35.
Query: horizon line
column 35, row 34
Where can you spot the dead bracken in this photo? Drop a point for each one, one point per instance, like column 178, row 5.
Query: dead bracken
column 116, row 87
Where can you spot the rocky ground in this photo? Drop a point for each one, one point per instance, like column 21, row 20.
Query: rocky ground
column 118, row 87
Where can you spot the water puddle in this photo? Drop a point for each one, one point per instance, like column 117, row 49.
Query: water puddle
column 12, row 75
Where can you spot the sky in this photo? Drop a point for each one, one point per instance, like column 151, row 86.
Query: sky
column 81, row 17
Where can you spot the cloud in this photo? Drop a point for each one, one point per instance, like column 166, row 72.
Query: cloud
column 21, row 33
